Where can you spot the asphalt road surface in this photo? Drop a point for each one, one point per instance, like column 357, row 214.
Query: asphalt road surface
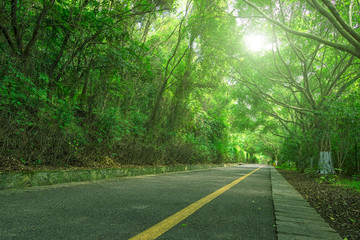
column 124, row 208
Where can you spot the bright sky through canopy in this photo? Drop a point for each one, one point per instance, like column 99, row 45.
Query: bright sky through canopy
column 257, row 43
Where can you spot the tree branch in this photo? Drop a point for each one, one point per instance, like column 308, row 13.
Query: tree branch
column 272, row 99
column 341, row 26
column 33, row 39
column 338, row 76
column 341, row 21
column 345, row 48
column 7, row 37
column 15, row 26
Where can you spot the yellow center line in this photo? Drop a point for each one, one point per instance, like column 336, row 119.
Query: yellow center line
column 166, row 224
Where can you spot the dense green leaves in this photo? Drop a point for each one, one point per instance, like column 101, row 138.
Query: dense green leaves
column 292, row 91
column 84, row 81
column 163, row 82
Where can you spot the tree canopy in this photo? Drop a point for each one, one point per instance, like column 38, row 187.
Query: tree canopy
column 94, row 82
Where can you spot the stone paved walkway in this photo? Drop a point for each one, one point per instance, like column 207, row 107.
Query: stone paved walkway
column 295, row 218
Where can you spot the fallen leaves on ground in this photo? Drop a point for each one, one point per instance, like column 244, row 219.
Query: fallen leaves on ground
column 340, row 207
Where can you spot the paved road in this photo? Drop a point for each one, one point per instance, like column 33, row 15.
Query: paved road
column 123, row 208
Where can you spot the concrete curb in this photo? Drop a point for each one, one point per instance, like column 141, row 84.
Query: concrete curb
column 295, row 218
column 28, row 179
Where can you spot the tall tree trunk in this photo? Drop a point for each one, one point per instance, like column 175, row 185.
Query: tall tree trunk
column 325, row 162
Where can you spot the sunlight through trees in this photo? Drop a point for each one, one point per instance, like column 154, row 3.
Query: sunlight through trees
column 165, row 82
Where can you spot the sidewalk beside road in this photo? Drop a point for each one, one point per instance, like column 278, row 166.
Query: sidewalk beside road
column 295, row 218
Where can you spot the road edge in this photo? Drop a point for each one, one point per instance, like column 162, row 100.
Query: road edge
column 17, row 180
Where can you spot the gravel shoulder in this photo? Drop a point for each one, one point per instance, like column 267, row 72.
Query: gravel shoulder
column 340, row 207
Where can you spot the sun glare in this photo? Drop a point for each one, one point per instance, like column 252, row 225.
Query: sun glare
column 257, row 43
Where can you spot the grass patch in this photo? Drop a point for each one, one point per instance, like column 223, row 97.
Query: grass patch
column 347, row 183
column 286, row 167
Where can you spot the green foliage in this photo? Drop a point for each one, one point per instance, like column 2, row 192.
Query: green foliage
column 100, row 82
column 158, row 82
column 329, row 179
column 287, row 166
column 353, row 183
column 336, row 181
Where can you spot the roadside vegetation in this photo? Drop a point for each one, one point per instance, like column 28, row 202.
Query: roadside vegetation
column 150, row 82
column 350, row 183
column 89, row 82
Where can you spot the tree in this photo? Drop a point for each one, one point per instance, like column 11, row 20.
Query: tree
column 296, row 83
column 339, row 15
column 84, row 81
